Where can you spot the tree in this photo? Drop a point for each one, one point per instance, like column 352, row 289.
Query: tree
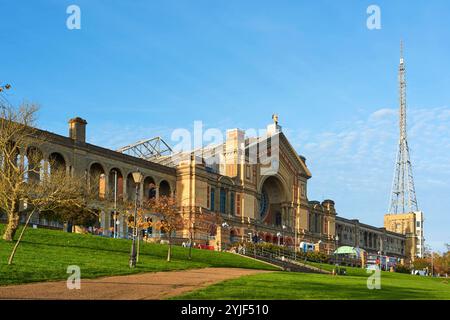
column 421, row 263
column 142, row 220
column 170, row 217
column 30, row 184
column 56, row 194
column 19, row 160
column 190, row 220
column 441, row 263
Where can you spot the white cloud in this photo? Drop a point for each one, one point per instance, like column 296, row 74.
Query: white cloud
column 354, row 163
column 383, row 114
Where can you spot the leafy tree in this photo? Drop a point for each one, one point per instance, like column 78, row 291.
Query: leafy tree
column 170, row 217
column 421, row 263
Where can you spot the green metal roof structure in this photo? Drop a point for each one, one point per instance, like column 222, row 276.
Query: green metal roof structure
column 349, row 250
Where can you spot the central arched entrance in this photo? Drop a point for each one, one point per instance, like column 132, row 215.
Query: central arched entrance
column 271, row 197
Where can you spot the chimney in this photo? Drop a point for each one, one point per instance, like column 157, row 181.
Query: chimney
column 77, row 129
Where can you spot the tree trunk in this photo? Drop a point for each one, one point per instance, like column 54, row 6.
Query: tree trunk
column 11, row 227
column 13, row 252
column 169, row 252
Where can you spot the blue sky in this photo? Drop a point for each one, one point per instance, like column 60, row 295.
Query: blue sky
column 137, row 69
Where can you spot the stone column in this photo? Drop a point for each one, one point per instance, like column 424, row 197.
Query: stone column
column 125, row 191
column 107, row 186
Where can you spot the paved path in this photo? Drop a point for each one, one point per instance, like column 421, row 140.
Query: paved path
column 155, row 285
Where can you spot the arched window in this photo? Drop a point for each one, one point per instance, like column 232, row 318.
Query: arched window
column 263, row 204
column 149, row 188
column 164, row 188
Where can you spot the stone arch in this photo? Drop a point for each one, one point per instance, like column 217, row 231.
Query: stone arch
column 234, row 235
column 226, row 180
column 97, row 180
column 164, row 188
column 275, row 239
column 34, row 162
column 131, row 187
column 261, row 236
column 149, row 188
column 283, row 185
column 116, row 183
column 289, row 241
column 272, row 194
column 56, row 161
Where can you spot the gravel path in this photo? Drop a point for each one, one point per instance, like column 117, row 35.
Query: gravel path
column 154, row 285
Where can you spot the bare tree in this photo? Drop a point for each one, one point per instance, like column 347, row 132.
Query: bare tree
column 18, row 160
column 29, row 183
column 58, row 194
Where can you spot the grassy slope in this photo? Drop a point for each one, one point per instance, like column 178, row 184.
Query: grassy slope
column 45, row 255
column 316, row 286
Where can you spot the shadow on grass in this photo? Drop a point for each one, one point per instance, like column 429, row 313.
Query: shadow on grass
column 304, row 286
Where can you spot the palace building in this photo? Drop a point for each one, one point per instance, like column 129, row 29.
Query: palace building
column 240, row 190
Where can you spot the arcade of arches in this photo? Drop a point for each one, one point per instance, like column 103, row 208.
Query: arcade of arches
column 236, row 201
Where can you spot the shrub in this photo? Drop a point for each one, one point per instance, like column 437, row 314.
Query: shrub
column 402, row 269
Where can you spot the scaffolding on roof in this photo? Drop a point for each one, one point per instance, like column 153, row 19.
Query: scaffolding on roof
column 147, row 149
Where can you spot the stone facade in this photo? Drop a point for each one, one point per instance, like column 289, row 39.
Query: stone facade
column 372, row 239
column 410, row 225
column 107, row 169
column 224, row 202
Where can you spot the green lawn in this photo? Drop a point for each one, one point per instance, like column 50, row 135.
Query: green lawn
column 45, row 255
column 284, row 285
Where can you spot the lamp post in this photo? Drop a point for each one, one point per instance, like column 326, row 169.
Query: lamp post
column 295, row 236
column 115, row 204
column 137, row 177
column 337, row 244
column 225, row 225
column 191, row 239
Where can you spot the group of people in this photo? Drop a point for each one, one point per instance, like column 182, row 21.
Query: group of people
column 239, row 249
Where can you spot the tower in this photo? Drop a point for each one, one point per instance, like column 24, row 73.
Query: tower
column 403, row 195
column 404, row 215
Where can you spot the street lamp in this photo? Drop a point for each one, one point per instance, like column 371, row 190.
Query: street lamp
column 225, row 225
column 337, row 244
column 191, row 239
column 116, row 225
column 137, row 177
column 279, row 237
column 283, row 227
